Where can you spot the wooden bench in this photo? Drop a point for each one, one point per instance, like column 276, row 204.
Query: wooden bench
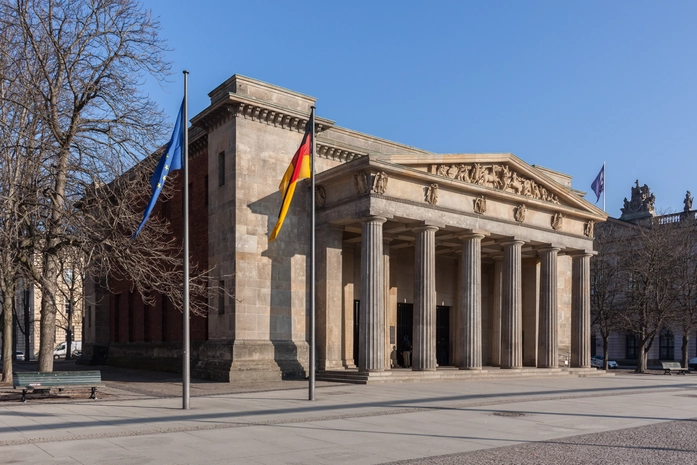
column 670, row 367
column 44, row 381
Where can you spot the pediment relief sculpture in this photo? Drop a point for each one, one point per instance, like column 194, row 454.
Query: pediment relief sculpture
column 380, row 182
column 519, row 212
column 360, row 179
column 557, row 221
column 480, row 205
column 498, row 176
column 432, row 194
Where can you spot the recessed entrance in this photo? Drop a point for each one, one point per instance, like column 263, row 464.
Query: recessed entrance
column 443, row 335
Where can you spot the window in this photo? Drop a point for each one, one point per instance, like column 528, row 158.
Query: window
column 191, row 194
column 632, row 346
column 221, row 169
column 205, row 187
column 666, row 342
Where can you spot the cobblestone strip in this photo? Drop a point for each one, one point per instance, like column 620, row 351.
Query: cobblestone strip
column 670, row 442
column 231, row 425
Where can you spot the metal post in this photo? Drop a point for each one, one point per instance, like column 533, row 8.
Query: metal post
column 312, row 259
column 185, row 310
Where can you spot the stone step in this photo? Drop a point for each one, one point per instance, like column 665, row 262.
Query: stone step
column 452, row 374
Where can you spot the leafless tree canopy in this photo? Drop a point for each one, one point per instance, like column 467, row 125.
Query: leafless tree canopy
column 73, row 119
column 644, row 280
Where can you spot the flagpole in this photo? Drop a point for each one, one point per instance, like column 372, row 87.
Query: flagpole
column 604, row 185
column 311, row 395
column 185, row 311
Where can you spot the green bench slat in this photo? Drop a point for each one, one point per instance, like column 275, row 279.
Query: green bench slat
column 56, row 378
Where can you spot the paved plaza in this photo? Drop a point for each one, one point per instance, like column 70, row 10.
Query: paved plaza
column 626, row 418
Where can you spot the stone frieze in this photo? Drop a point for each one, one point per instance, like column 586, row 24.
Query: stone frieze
column 497, row 176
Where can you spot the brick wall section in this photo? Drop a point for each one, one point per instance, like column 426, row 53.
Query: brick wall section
column 122, row 329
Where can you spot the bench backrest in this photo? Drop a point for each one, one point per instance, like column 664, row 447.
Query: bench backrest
column 667, row 365
column 57, row 378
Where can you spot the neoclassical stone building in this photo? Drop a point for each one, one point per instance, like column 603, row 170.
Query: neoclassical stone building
column 481, row 259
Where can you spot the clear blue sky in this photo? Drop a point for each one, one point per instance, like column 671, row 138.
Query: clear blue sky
column 561, row 84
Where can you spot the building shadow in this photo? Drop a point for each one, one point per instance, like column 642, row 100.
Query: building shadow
column 288, row 283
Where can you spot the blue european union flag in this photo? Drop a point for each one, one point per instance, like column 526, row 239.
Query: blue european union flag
column 171, row 160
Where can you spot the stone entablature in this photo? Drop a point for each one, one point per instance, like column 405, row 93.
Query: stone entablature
column 419, row 188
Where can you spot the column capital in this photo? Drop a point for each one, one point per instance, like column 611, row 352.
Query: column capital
column 373, row 219
column 512, row 241
column 549, row 248
column 425, row 227
column 582, row 253
column 473, row 234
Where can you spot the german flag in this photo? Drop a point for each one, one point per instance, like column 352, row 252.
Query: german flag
column 298, row 169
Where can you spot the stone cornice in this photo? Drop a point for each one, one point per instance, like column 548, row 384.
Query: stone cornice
column 332, row 151
column 222, row 110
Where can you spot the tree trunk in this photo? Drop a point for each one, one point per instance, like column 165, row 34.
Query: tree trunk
column 49, row 293
column 685, row 345
column 605, row 354
column 69, row 332
column 28, row 354
column 641, row 358
column 6, row 335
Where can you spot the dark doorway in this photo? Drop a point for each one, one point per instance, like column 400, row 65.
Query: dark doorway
column 443, row 335
column 356, row 322
column 405, row 327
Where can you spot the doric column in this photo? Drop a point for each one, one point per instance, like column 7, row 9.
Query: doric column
column 547, row 351
column 496, row 312
column 511, row 306
column 424, row 347
column 371, row 341
column 329, row 297
column 581, row 310
column 389, row 311
column 471, row 303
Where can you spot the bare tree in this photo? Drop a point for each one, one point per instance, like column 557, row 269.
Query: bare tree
column 685, row 283
column 80, row 64
column 648, row 260
column 605, row 285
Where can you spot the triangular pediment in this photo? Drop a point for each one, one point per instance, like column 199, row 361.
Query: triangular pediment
column 501, row 172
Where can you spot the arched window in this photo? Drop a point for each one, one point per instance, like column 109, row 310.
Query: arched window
column 666, row 341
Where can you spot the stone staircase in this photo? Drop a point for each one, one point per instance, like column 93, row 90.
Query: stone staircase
column 403, row 375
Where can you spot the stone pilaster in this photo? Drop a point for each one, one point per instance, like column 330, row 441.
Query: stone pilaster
column 581, row 310
column 329, row 297
column 511, row 306
column 371, row 343
column 496, row 313
column 424, row 347
column 547, row 351
column 471, row 303
column 347, row 270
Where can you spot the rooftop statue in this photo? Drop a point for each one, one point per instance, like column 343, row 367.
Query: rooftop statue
column 641, row 204
column 688, row 202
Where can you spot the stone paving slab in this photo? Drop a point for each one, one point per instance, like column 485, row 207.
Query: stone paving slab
column 346, row 424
